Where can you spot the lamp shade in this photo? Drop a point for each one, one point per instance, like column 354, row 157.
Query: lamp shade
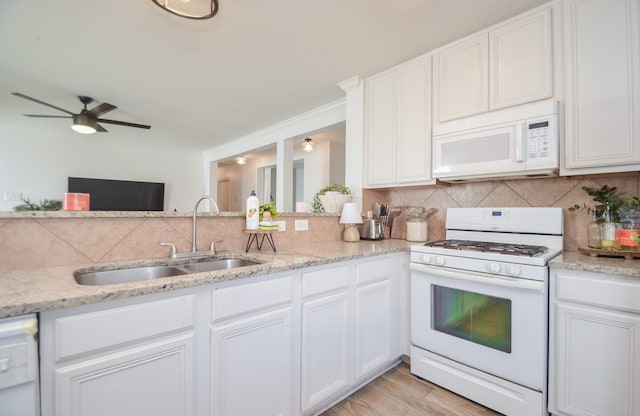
column 350, row 214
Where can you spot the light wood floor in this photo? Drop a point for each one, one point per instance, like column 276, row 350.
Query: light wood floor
column 400, row 393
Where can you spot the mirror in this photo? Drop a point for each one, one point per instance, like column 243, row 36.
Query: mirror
column 310, row 171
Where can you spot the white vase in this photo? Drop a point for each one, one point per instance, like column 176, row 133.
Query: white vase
column 333, row 201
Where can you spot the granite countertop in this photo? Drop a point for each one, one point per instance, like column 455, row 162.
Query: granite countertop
column 39, row 290
column 571, row 260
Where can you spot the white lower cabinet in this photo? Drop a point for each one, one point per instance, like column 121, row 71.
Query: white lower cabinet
column 594, row 345
column 377, row 319
column 276, row 345
column 351, row 327
column 119, row 358
column 154, row 379
column 252, row 350
column 326, row 335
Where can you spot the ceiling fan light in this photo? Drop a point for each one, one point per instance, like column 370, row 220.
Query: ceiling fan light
column 191, row 9
column 83, row 124
column 307, row 146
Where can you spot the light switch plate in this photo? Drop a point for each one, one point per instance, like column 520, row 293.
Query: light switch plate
column 302, row 225
column 282, row 224
column 13, row 196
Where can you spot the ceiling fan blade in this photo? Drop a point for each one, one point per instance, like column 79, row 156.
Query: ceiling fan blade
column 43, row 116
column 101, row 129
column 124, row 123
column 102, row 109
column 26, row 97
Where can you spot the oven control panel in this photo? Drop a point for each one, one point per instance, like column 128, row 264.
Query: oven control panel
column 523, row 271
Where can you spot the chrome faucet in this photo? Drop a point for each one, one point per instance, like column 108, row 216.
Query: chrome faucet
column 195, row 216
column 194, row 251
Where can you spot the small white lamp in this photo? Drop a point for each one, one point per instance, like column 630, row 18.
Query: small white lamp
column 350, row 216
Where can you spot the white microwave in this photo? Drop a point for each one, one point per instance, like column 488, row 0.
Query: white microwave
column 519, row 142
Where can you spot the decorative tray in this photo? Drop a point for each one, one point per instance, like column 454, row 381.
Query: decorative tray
column 596, row 252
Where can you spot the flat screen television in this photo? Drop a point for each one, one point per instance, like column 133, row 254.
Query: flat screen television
column 115, row 195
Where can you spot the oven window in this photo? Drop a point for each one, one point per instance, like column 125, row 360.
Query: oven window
column 482, row 319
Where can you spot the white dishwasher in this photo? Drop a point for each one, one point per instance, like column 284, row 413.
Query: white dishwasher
column 19, row 393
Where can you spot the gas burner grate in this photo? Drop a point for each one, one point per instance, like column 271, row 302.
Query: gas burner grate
column 491, row 247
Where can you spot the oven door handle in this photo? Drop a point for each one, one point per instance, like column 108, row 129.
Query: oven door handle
column 478, row 277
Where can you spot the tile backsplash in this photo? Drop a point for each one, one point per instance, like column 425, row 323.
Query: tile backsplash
column 30, row 243
column 27, row 243
column 548, row 192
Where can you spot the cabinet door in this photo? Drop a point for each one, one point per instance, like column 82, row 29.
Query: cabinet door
column 154, row 379
column 520, row 61
column 414, row 122
column 380, row 130
column 462, row 81
column 603, row 85
column 252, row 366
column 597, row 369
column 326, row 348
column 374, row 329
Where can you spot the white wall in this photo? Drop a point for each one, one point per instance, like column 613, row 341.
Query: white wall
column 38, row 162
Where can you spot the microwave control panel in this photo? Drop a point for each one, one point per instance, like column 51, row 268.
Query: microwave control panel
column 538, row 139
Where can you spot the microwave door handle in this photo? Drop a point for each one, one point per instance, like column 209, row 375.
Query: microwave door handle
column 520, row 141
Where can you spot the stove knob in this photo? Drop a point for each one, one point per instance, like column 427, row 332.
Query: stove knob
column 440, row 261
column 494, row 267
column 426, row 259
column 514, row 270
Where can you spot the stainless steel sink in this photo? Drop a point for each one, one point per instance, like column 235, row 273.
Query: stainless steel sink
column 222, row 264
column 138, row 274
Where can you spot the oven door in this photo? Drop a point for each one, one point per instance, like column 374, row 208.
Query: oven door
column 492, row 323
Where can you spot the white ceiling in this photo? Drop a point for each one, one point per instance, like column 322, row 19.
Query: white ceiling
column 200, row 84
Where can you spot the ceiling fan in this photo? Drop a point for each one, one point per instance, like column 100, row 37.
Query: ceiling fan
column 86, row 121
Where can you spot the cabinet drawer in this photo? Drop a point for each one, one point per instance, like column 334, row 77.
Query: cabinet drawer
column 86, row 332
column 322, row 281
column 250, row 297
column 599, row 289
column 373, row 271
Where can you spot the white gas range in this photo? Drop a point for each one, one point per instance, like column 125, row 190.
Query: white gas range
column 479, row 306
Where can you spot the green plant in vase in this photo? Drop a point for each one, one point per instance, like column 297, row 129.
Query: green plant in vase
column 316, row 204
column 605, row 198
column 44, row 205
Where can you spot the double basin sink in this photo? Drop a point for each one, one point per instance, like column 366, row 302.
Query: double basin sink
column 137, row 274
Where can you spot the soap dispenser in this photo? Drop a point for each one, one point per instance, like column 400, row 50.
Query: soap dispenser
column 253, row 212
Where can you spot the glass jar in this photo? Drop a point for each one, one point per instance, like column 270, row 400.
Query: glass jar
column 628, row 234
column 608, row 231
column 594, row 233
column 417, row 225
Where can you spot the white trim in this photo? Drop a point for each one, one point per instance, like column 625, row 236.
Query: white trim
column 304, row 123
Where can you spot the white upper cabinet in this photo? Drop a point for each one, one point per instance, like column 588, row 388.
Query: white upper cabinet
column 602, row 71
column 398, row 126
column 508, row 65
column 520, row 61
column 462, row 81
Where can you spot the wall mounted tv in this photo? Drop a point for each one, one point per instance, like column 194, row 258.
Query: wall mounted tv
column 115, row 195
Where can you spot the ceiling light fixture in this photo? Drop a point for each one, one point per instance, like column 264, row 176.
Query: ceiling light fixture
column 191, row 9
column 241, row 160
column 84, row 123
column 307, row 146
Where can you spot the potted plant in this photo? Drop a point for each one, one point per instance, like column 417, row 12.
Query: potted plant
column 44, row 205
column 605, row 197
column 331, row 198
